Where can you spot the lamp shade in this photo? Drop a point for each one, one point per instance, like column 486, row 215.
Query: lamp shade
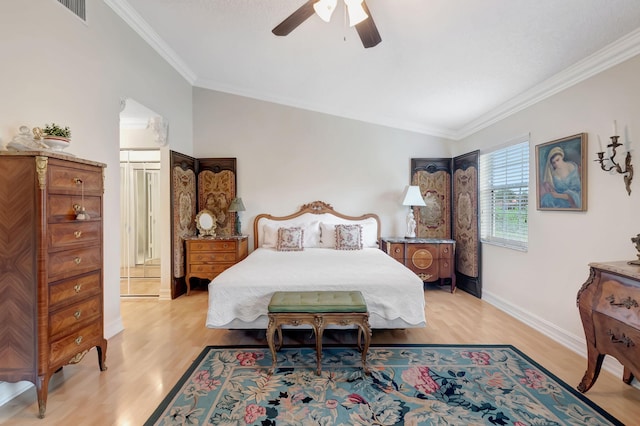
column 412, row 196
column 356, row 12
column 236, row 205
column 324, row 9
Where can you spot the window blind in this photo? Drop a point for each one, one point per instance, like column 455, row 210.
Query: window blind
column 504, row 196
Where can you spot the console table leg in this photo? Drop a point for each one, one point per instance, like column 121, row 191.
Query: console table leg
column 594, row 363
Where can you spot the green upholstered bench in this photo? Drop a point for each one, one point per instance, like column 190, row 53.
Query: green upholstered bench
column 318, row 309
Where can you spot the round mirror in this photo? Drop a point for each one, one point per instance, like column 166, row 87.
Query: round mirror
column 205, row 223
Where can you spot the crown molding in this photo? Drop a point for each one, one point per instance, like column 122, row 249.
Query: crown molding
column 129, row 15
column 296, row 103
column 615, row 53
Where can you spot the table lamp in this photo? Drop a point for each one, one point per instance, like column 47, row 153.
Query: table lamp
column 237, row 206
column 412, row 197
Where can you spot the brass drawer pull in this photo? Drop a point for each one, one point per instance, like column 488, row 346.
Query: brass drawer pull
column 77, row 314
column 77, row 288
column 628, row 302
column 78, row 340
column 625, row 340
column 77, row 234
column 77, row 181
column 77, row 260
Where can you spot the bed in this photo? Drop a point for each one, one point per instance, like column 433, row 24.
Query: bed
column 316, row 248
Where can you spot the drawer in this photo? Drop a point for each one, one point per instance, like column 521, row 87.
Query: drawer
column 620, row 301
column 208, row 268
column 66, row 179
column 432, row 273
column 204, row 256
column 64, row 349
column 68, row 263
column 212, row 245
column 74, row 316
column 61, row 207
column 617, row 339
column 446, row 251
column 395, row 250
column 72, row 290
column 446, row 268
column 422, row 256
column 65, row 235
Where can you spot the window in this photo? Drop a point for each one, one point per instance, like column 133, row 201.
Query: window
column 504, row 195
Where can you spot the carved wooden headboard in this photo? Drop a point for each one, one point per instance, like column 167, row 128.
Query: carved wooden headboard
column 317, row 210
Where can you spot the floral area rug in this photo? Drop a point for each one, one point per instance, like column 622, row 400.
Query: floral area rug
column 408, row 385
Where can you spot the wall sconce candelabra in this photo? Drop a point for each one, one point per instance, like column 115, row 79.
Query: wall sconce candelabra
column 612, row 164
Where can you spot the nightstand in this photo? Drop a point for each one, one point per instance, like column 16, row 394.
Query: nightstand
column 431, row 259
column 207, row 257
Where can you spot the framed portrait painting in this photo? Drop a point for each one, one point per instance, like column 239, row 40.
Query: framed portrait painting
column 561, row 174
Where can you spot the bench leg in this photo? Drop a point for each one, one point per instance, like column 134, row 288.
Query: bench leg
column 319, row 330
column 271, row 329
column 364, row 334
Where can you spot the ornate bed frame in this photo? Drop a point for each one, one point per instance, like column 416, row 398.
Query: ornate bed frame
column 315, row 207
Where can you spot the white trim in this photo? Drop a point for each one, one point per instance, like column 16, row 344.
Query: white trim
column 8, row 391
column 571, row 341
column 129, row 15
column 615, row 53
column 113, row 328
column 352, row 115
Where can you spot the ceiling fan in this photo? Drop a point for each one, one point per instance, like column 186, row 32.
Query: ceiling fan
column 359, row 15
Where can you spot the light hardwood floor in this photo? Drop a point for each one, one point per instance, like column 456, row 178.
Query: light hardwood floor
column 162, row 338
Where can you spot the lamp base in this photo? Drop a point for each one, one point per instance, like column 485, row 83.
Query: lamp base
column 411, row 225
column 238, row 227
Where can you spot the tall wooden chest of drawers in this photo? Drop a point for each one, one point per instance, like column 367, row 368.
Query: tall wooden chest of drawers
column 207, row 257
column 51, row 278
column 431, row 259
column 609, row 305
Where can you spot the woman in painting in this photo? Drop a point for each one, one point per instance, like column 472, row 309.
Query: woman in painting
column 561, row 182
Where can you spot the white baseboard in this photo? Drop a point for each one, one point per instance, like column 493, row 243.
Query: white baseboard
column 8, row 391
column 571, row 341
column 113, row 328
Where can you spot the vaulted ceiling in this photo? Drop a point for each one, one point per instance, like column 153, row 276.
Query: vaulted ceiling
column 444, row 67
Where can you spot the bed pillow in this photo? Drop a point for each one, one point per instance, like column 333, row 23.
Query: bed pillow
column 270, row 236
column 327, row 235
column 348, row 237
column 290, row 239
column 311, row 234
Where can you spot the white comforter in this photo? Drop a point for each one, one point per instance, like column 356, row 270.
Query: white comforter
column 238, row 297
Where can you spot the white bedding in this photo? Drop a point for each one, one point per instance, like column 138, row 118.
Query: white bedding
column 239, row 296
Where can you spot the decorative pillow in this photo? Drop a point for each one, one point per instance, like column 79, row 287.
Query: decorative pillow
column 290, row 239
column 348, row 237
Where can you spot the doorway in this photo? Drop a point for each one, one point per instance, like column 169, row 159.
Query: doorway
column 140, row 172
column 139, row 216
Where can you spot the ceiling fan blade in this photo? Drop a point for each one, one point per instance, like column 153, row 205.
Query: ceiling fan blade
column 295, row 19
column 367, row 30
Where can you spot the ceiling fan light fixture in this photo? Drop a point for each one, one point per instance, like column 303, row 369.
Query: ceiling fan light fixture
column 356, row 12
column 324, row 9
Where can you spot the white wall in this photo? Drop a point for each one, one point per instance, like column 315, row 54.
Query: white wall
column 57, row 68
column 540, row 286
column 287, row 157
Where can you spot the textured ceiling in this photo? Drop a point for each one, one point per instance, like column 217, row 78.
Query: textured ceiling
column 444, row 67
